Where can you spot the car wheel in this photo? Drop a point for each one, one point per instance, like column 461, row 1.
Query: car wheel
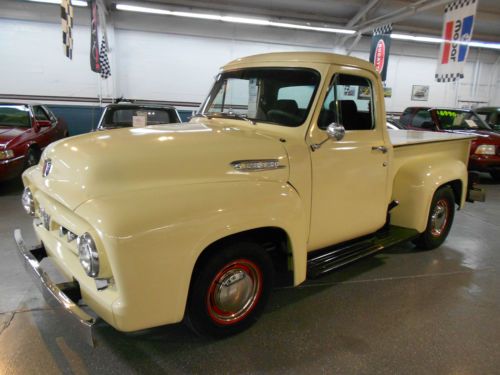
column 441, row 214
column 31, row 158
column 229, row 290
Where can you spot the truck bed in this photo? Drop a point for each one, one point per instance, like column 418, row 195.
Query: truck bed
column 400, row 138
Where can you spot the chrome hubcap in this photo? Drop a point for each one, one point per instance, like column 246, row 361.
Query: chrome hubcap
column 439, row 218
column 234, row 292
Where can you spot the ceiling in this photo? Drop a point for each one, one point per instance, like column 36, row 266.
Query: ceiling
column 423, row 17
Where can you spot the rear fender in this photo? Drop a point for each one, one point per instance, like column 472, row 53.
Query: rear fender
column 415, row 184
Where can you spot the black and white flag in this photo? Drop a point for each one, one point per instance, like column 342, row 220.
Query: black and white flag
column 66, row 25
column 103, row 60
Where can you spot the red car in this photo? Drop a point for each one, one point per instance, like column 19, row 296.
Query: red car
column 485, row 149
column 25, row 130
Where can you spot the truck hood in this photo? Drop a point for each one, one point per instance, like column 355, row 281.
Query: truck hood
column 111, row 162
column 8, row 134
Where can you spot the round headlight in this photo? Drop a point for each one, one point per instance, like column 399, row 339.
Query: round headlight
column 89, row 257
column 28, row 201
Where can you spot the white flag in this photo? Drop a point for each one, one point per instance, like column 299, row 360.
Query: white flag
column 457, row 30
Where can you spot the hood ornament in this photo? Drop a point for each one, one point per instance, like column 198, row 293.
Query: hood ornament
column 47, row 167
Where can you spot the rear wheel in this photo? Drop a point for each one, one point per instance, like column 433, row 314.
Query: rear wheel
column 230, row 290
column 440, row 219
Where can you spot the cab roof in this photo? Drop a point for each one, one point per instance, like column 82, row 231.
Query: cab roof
column 302, row 58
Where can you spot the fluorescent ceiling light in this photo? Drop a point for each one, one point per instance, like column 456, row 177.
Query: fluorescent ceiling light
column 231, row 19
column 430, row 39
column 76, row 3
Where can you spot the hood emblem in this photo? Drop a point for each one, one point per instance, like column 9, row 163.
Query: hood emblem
column 256, row 165
column 47, row 167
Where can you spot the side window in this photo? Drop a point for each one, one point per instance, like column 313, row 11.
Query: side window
column 40, row 113
column 349, row 102
column 52, row 117
column 421, row 117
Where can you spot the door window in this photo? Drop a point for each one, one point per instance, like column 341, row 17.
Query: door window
column 349, row 102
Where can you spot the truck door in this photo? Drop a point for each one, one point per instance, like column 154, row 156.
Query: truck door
column 349, row 176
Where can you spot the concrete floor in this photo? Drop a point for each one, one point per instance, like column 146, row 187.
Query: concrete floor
column 402, row 311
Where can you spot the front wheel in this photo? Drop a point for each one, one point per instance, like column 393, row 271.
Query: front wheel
column 31, row 158
column 229, row 290
column 441, row 214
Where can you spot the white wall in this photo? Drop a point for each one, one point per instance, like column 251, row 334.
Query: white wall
column 163, row 58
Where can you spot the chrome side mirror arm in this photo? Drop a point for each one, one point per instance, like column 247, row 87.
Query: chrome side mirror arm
column 334, row 131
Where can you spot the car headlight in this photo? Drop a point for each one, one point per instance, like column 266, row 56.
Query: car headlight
column 7, row 154
column 89, row 257
column 485, row 150
column 28, row 201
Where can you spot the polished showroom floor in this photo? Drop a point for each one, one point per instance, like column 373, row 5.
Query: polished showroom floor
column 402, row 311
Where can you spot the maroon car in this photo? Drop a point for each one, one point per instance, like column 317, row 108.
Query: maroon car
column 25, row 130
column 485, row 149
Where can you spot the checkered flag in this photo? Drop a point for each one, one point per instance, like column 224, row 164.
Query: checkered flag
column 66, row 25
column 103, row 60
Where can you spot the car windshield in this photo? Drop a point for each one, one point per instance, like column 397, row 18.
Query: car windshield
column 450, row 119
column 281, row 96
column 136, row 116
column 14, row 115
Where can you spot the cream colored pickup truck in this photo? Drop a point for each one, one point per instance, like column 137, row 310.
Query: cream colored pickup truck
column 286, row 172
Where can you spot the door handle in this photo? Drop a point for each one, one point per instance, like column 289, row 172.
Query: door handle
column 382, row 149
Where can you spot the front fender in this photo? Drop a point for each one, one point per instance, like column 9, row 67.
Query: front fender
column 414, row 186
column 153, row 238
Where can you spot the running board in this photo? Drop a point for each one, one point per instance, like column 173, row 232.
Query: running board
column 323, row 261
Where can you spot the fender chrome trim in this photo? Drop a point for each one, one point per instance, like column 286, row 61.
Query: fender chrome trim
column 65, row 295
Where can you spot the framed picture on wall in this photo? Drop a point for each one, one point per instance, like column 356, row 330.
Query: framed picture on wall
column 349, row 90
column 387, row 92
column 364, row 92
column 420, row 92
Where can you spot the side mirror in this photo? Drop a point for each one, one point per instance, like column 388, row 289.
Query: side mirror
column 429, row 125
column 335, row 131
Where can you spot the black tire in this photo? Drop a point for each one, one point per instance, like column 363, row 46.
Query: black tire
column 441, row 214
column 241, row 265
column 31, row 158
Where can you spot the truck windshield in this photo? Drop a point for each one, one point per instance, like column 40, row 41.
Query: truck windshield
column 450, row 119
column 281, row 96
column 14, row 115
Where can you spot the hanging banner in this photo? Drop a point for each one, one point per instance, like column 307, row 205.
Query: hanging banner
column 379, row 51
column 67, row 25
column 94, row 41
column 457, row 30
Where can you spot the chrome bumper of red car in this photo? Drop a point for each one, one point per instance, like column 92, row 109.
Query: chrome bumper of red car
column 63, row 297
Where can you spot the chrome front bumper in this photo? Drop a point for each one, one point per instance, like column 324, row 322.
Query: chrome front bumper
column 64, row 297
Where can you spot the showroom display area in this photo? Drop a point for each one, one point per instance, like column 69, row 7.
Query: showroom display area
column 284, row 172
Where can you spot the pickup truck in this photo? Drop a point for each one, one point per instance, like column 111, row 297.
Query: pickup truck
column 287, row 172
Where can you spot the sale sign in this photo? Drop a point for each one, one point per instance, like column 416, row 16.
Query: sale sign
column 457, row 32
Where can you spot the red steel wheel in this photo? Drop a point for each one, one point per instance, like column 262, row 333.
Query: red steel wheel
column 229, row 290
column 234, row 292
column 441, row 214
